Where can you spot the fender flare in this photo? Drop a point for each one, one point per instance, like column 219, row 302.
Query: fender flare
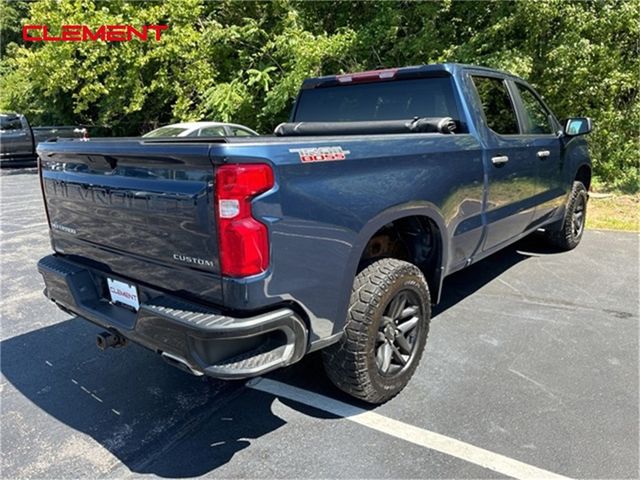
column 424, row 209
column 576, row 155
column 580, row 165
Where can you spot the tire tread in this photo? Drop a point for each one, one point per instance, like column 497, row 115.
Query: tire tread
column 346, row 361
column 562, row 236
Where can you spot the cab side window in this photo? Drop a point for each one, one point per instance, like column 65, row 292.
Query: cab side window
column 497, row 105
column 539, row 119
column 10, row 123
column 241, row 132
column 211, row 132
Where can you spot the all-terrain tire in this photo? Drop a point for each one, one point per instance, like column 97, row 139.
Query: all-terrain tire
column 567, row 234
column 351, row 364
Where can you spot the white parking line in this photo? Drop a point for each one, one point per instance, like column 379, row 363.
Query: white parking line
column 404, row 431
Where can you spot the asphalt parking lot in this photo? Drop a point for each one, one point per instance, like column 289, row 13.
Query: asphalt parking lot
column 532, row 356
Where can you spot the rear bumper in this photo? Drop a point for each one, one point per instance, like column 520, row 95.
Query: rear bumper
column 198, row 339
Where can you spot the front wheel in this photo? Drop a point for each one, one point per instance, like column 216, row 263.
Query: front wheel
column 567, row 235
column 385, row 334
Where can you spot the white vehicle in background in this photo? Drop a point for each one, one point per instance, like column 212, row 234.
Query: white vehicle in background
column 202, row 129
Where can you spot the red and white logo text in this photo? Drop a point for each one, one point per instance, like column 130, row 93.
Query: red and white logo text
column 320, row 154
column 84, row 33
column 122, row 293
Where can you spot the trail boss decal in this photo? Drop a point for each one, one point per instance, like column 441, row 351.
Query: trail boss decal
column 320, row 154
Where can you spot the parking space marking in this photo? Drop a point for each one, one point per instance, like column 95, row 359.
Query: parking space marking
column 404, row 431
column 93, row 395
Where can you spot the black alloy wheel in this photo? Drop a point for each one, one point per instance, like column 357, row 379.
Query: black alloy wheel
column 398, row 332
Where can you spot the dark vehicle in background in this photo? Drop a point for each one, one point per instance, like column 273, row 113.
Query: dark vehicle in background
column 18, row 139
column 234, row 256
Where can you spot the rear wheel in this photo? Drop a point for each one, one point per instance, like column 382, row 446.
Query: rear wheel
column 385, row 334
column 567, row 234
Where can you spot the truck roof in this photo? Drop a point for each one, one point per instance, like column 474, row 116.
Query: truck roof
column 404, row 72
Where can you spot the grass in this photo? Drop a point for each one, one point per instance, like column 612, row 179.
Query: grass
column 612, row 211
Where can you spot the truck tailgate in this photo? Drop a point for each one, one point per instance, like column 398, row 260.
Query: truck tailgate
column 143, row 211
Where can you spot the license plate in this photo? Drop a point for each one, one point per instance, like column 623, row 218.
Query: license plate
column 121, row 292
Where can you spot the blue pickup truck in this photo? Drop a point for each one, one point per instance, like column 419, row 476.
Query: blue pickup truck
column 233, row 256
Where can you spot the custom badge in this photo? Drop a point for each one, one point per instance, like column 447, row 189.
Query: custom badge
column 320, row 154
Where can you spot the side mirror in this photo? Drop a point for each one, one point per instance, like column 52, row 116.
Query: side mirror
column 577, row 126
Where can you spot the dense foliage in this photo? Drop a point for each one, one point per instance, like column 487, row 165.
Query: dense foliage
column 244, row 61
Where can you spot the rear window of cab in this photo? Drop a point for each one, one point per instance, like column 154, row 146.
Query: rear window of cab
column 392, row 100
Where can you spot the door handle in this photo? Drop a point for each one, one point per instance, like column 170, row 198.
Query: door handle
column 500, row 160
column 543, row 153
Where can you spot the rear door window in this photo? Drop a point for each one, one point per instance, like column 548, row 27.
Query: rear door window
column 497, row 105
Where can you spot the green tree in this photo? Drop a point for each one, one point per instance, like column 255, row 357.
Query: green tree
column 583, row 56
column 123, row 87
column 244, row 61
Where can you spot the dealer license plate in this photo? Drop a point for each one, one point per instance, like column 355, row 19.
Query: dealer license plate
column 123, row 293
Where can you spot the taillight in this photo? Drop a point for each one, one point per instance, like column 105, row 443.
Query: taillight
column 244, row 241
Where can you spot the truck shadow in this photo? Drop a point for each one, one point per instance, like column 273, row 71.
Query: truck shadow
column 141, row 410
column 151, row 416
column 464, row 283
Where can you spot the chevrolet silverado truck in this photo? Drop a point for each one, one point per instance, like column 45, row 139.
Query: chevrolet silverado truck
column 18, row 139
column 234, row 256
